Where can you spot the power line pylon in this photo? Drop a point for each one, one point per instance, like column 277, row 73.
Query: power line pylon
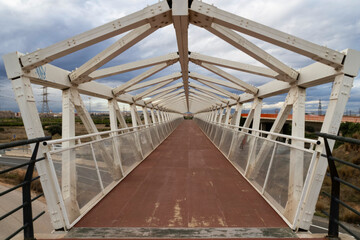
column 45, row 102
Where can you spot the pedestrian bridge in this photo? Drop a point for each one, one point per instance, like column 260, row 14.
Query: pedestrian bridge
column 163, row 174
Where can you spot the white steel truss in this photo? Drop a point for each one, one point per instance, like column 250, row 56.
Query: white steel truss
column 165, row 98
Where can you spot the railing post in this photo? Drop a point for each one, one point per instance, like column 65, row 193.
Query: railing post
column 26, row 195
column 333, row 230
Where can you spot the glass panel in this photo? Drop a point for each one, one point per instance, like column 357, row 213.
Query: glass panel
column 88, row 184
column 226, row 139
column 129, row 152
column 154, row 136
column 218, row 135
column 241, row 147
column 145, row 142
column 260, row 160
column 161, row 132
column 104, row 153
column 212, row 132
column 277, row 186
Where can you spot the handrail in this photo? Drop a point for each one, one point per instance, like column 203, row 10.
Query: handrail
column 23, row 142
column 98, row 133
column 28, row 220
column 334, row 223
column 317, row 142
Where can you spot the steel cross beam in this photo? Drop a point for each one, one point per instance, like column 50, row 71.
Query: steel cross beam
column 163, row 91
column 148, row 83
column 207, row 89
column 208, row 94
column 157, row 15
column 217, row 81
column 198, row 58
column 172, row 87
column 149, row 91
column 170, row 58
column 180, row 17
column 287, row 74
column 204, row 96
column 248, row 87
column 213, row 86
column 169, row 98
column 208, row 100
column 204, row 15
column 122, row 88
column 172, row 101
column 80, row 75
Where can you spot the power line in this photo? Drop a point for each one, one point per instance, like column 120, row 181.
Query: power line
column 45, row 102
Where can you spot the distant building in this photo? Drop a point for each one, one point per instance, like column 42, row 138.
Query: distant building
column 7, row 114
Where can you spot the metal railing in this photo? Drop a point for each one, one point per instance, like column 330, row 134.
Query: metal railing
column 336, row 181
column 92, row 165
column 273, row 163
column 28, row 220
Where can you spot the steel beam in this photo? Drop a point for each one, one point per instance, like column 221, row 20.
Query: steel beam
column 204, row 15
column 157, row 15
column 148, row 83
column 170, row 59
column 216, row 81
column 149, row 91
column 68, row 158
column 198, row 58
column 207, row 89
column 244, row 85
column 226, row 92
column 80, row 75
column 122, row 88
column 180, row 17
column 287, row 74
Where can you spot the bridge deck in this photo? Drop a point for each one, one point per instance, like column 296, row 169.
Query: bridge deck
column 185, row 183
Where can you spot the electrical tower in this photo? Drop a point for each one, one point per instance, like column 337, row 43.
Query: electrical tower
column 45, row 102
column 319, row 108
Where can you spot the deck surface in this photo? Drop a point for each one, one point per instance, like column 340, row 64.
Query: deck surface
column 185, row 183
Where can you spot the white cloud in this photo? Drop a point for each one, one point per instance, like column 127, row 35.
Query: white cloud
column 28, row 25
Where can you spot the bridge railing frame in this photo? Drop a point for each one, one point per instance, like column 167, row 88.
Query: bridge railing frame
column 103, row 151
column 253, row 148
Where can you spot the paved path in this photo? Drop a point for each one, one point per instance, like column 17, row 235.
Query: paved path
column 10, row 224
column 185, row 183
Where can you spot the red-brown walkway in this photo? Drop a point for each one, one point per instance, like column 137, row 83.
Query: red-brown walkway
column 185, row 183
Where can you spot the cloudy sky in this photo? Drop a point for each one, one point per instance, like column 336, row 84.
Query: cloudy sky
column 28, row 25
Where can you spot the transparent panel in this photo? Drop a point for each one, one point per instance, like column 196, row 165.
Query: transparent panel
column 260, row 161
column 212, row 132
column 207, row 128
column 167, row 129
column 104, row 154
column 240, row 150
column 161, row 132
column 277, row 186
column 56, row 158
column 129, row 152
column 218, row 135
column 145, row 142
column 88, row 184
column 87, row 180
column 154, row 136
column 285, row 184
column 226, row 139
